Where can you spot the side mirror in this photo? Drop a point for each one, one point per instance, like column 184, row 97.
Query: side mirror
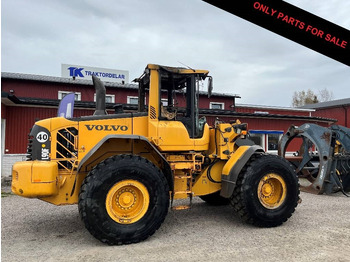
column 210, row 86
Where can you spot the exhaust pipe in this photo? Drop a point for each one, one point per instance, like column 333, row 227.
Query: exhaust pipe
column 100, row 96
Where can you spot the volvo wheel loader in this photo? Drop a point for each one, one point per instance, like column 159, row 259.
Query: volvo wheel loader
column 124, row 169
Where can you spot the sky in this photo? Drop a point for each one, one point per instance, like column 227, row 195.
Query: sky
column 37, row 36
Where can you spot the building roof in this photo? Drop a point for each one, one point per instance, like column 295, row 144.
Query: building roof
column 64, row 80
column 333, row 103
column 209, row 112
column 276, row 108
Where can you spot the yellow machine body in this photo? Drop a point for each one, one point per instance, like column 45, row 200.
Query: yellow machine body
column 193, row 163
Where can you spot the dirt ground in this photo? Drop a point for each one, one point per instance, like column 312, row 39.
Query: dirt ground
column 319, row 230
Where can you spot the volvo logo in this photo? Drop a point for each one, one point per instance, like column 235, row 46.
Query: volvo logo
column 106, row 127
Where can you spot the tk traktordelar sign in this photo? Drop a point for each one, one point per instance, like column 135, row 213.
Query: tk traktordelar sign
column 86, row 72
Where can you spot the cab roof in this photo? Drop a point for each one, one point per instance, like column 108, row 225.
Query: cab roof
column 178, row 70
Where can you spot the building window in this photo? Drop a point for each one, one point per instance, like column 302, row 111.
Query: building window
column 272, row 141
column 267, row 139
column 258, row 139
column 217, row 105
column 109, row 98
column 133, row 100
column 164, row 101
column 61, row 94
column 3, row 123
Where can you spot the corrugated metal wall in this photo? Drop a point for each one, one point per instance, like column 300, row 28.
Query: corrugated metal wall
column 19, row 120
column 3, row 111
column 49, row 90
column 268, row 125
column 16, row 132
column 204, row 101
column 263, row 123
column 273, row 111
column 340, row 113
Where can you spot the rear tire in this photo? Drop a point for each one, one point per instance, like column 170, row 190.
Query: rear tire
column 215, row 199
column 123, row 200
column 346, row 182
column 267, row 191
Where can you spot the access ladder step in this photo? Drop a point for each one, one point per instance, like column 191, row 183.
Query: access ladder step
column 182, row 207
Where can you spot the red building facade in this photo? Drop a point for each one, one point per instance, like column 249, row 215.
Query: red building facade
column 338, row 109
column 28, row 98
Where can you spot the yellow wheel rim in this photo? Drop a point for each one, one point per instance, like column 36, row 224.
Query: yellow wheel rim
column 127, row 201
column 272, row 191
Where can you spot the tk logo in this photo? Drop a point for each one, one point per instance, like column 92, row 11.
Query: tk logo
column 75, row 71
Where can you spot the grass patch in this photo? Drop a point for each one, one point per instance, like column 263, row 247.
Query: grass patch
column 5, row 194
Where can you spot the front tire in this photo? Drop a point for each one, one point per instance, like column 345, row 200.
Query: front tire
column 267, row 191
column 123, row 200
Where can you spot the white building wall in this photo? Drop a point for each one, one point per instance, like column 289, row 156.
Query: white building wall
column 8, row 160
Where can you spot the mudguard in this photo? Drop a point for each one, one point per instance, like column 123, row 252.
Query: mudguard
column 234, row 166
column 166, row 169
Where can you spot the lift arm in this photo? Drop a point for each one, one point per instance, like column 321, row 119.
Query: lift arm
column 293, row 23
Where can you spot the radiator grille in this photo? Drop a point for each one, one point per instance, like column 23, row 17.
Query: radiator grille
column 29, row 156
column 66, row 149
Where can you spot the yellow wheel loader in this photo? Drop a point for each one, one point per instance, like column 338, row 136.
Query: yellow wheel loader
column 124, row 169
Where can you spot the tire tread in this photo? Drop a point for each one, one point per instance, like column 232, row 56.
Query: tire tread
column 88, row 213
column 239, row 202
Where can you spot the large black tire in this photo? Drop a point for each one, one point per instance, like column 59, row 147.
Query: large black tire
column 346, row 182
column 215, row 199
column 124, row 183
column 267, row 191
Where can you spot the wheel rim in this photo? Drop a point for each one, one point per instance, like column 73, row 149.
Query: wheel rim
column 127, row 201
column 272, row 191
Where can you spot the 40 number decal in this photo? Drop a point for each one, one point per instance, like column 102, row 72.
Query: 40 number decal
column 42, row 137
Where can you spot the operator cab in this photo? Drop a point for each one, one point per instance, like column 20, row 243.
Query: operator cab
column 176, row 98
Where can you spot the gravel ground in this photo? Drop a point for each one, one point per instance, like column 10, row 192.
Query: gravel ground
column 319, row 230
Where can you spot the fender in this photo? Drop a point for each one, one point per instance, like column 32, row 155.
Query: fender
column 234, row 166
column 165, row 167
